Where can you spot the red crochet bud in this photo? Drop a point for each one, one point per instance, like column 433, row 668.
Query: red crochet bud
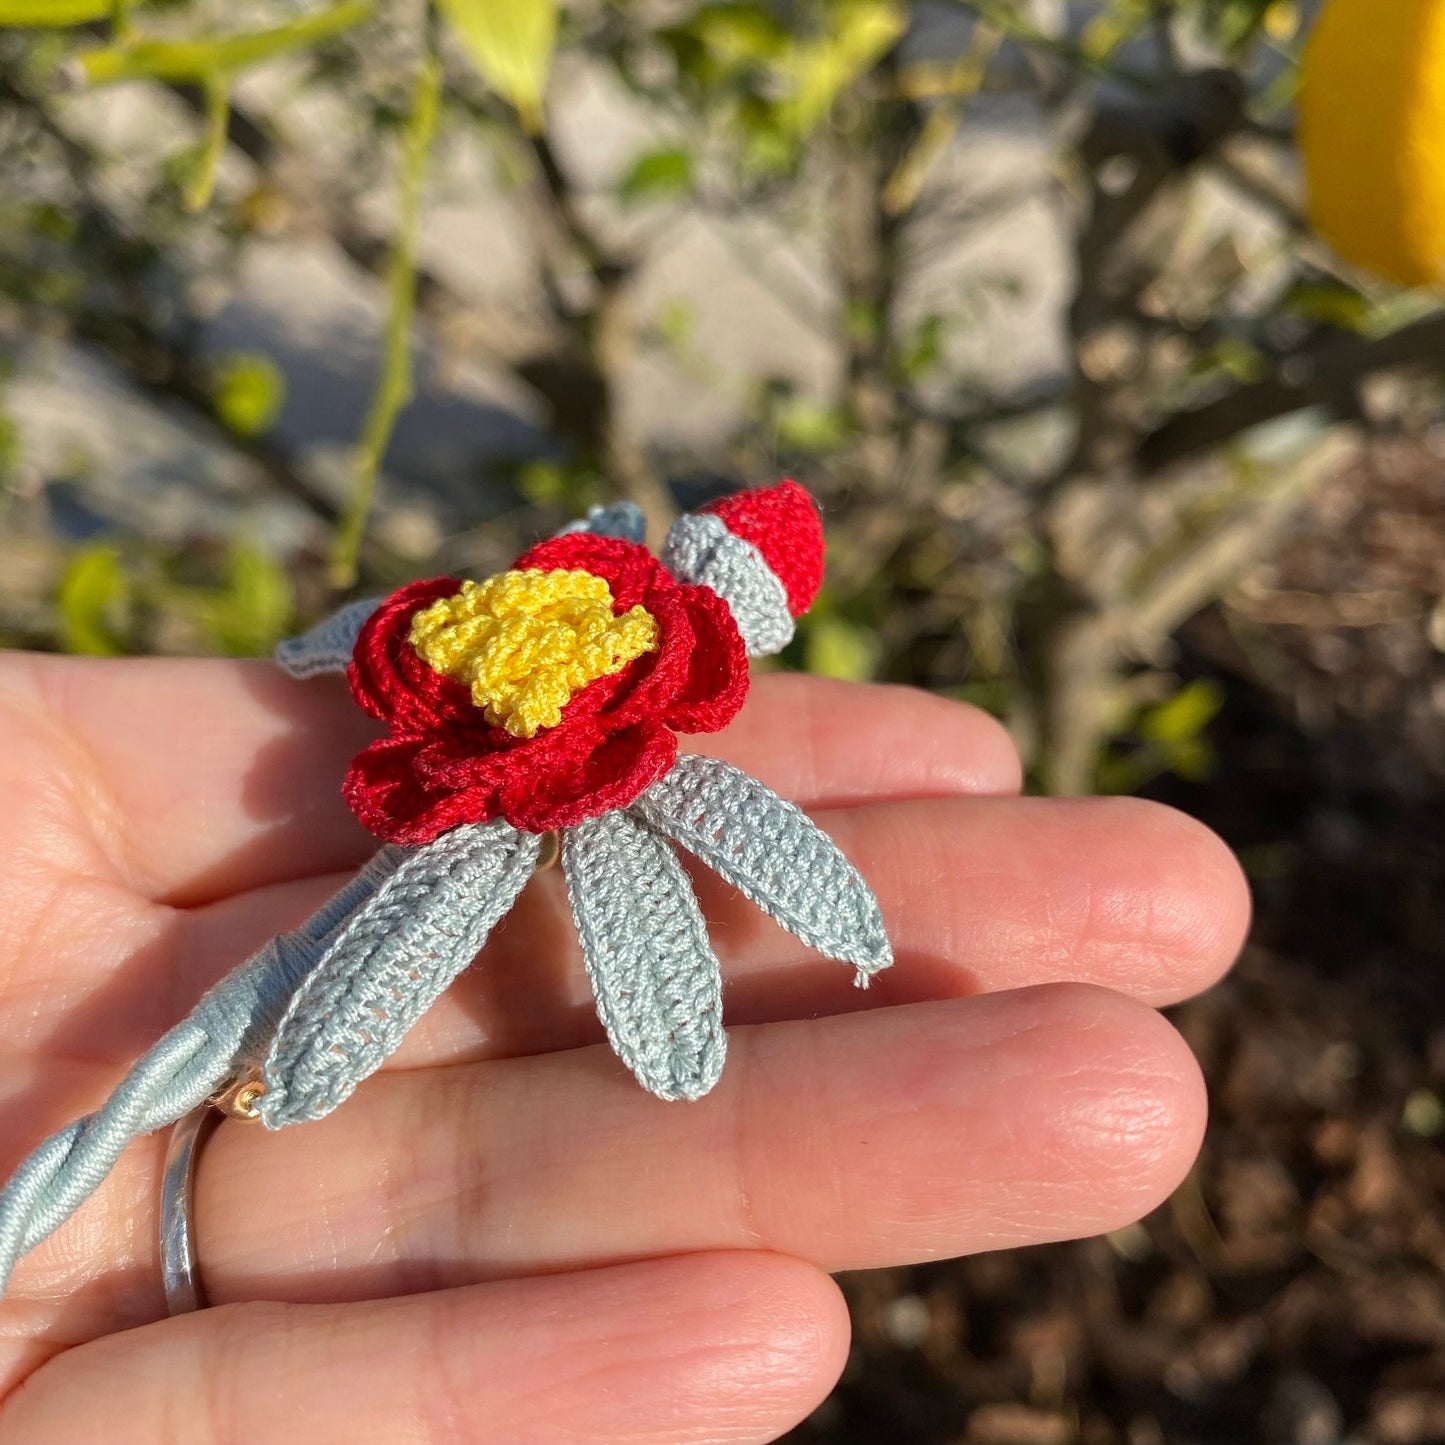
column 782, row 522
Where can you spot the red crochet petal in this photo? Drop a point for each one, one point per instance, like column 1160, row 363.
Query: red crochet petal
column 717, row 679
column 598, row 694
column 654, row 681
column 608, row 775
column 656, row 678
column 390, row 680
column 451, row 762
column 383, row 790
column 783, row 524
column 630, row 570
column 444, row 765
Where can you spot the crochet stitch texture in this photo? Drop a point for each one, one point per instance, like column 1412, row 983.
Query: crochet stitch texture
column 549, row 697
column 524, row 642
column 444, row 763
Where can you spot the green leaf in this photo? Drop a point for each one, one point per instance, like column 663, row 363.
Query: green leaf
column 862, row 320
column 835, row 647
column 92, row 600
column 571, row 486
column 251, row 611
column 248, row 391
column 260, row 598
column 199, row 60
column 658, row 175
column 1192, row 759
column 207, row 165
column 511, row 43
column 1128, row 773
column 1335, row 303
column 923, row 351
column 1233, row 356
column 1103, row 35
column 1331, row 302
column 676, row 322
column 1233, row 23
column 808, row 426
column 767, row 148
column 543, row 482
column 860, row 32
column 1181, row 718
column 735, row 35
column 9, row 444
column 55, row 13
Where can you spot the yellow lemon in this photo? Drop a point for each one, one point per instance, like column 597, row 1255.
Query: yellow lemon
column 1372, row 132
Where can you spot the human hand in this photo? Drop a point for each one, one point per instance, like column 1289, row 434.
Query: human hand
column 501, row 1237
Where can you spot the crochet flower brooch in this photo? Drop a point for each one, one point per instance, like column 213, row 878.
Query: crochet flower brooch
column 546, row 701
column 550, row 698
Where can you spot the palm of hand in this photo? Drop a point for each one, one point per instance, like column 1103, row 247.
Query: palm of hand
column 501, row 1237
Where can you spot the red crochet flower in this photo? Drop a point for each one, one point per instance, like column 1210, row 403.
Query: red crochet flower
column 443, row 763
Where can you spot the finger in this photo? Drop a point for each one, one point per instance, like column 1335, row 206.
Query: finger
column 729, row 1348
column 876, row 1139
column 826, row 744
column 223, row 776
column 978, row 894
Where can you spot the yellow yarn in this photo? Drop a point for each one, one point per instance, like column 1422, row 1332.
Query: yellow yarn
column 1372, row 133
column 526, row 642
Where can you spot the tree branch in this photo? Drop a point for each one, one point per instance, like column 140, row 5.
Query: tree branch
column 1330, row 377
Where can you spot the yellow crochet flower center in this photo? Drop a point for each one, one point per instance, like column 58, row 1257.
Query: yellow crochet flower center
column 1371, row 121
column 526, row 642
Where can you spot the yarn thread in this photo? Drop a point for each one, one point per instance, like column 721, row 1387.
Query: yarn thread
column 525, row 642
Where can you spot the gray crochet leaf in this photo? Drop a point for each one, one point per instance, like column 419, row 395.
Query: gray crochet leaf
column 387, row 964
column 656, row 979
column 327, row 647
column 620, row 519
column 774, row 853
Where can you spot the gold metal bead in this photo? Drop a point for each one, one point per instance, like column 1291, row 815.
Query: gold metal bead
column 238, row 1099
column 550, row 851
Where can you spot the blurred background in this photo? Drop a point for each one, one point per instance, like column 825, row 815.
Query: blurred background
column 300, row 300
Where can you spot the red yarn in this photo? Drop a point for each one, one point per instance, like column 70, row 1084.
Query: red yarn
column 783, row 524
column 443, row 764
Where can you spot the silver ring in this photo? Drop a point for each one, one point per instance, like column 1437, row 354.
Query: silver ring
column 238, row 1099
column 179, row 1276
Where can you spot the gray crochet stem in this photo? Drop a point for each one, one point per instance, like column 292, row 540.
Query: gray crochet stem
column 655, row 977
column 47, row 1188
column 388, row 964
column 209, row 1046
column 774, row 853
column 700, row 549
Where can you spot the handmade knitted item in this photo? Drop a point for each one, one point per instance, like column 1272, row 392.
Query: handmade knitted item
column 549, row 697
